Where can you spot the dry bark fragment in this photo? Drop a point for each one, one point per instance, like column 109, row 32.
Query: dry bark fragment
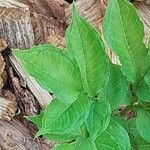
column 7, row 107
column 56, row 40
column 2, row 67
column 15, row 136
column 50, row 19
column 26, row 101
column 3, row 74
column 15, row 24
column 3, row 45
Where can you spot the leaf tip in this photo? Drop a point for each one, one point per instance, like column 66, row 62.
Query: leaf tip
column 29, row 118
column 74, row 10
column 40, row 132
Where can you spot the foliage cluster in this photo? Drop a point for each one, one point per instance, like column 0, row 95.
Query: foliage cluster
column 89, row 89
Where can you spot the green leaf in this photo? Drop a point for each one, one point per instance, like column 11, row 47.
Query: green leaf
column 53, row 70
column 137, row 141
column 122, row 121
column 143, row 122
column 87, row 48
column 143, row 92
column 143, row 89
column 85, row 144
column 141, row 144
column 147, row 79
column 65, row 146
column 69, row 137
column 82, row 131
column 124, row 33
column 63, row 118
column 116, row 91
column 99, row 118
column 132, row 128
column 114, row 138
column 37, row 119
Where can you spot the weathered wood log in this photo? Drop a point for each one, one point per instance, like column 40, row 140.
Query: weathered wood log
column 15, row 135
column 3, row 77
column 8, row 106
column 49, row 19
column 15, row 24
column 2, row 67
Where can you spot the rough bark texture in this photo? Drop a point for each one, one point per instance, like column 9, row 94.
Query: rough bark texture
column 8, row 106
column 15, row 136
column 2, row 67
column 15, row 24
column 49, row 19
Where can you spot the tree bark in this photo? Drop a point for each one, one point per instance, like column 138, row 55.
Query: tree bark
column 15, row 136
column 15, row 24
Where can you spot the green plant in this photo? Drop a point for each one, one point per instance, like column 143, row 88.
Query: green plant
column 89, row 88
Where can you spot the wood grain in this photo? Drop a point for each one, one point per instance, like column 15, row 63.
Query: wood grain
column 15, row 24
column 15, row 136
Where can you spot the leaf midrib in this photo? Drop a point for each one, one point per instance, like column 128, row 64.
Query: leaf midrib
column 61, row 114
column 86, row 75
column 126, row 41
column 44, row 72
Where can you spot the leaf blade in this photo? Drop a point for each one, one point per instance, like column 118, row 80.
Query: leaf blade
column 143, row 92
column 65, row 118
column 114, row 138
column 87, row 48
column 122, row 22
column 53, row 70
column 99, row 118
column 116, row 91
column 65, row 146
column 142, row 123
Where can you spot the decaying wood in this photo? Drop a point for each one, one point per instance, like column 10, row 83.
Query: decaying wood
column 3, row 45
column 49, row 19
column 26, row 101
column 148, row 2
column 15, row 136
column 2, row 67
column 143, row 1
column 92, row 10
column 41, row 95
column 8, row 106
column 15, row 24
